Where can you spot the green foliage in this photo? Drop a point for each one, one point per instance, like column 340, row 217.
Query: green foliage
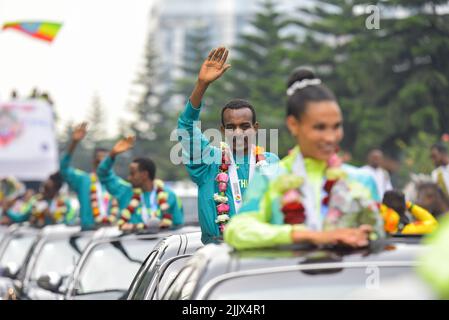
column 391, row 83
column 416, row 155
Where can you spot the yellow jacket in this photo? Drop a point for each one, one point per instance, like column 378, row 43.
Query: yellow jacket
column 425, row 221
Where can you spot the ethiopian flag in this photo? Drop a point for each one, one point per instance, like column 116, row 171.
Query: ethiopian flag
column 43, row 30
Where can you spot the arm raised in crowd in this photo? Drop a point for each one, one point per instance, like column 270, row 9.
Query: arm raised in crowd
column 212, row 68
column 194, row 143
column 71, row 175
column 116, row 186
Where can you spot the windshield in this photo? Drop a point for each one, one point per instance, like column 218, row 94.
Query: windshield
column 368, row 282
column 112, row 266
column 59, row 256
column 16, row 250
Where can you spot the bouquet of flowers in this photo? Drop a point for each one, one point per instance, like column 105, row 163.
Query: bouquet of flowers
column 350, row 206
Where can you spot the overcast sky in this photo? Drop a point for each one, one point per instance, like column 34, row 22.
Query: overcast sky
column 98, row 50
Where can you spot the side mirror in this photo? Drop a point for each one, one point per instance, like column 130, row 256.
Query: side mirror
column 50, row 281
column 11, row 270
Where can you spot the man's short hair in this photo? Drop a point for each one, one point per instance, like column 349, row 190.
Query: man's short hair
column 235, row 104
column 57, row 180
column 440, row 147
column 146, row 164
column 395, row 199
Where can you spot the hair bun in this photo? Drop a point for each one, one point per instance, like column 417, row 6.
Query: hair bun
column 300, row 74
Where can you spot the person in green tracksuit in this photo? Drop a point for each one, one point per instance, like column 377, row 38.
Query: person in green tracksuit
column 96, row 205
column 144, row 201
column 311, row 196
column 206, row 163
column 47, row 207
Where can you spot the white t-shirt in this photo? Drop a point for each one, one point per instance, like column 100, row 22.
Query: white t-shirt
column 444, row 171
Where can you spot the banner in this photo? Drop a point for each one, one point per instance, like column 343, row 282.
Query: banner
column 28, row 148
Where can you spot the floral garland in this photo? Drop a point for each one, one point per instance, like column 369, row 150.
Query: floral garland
column 39, row 207
column 291, row 201
column 94, row 201
column 222, row 179
column 134, row 207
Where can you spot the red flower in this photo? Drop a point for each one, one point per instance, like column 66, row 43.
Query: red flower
column 326, row 201
column 167, row 216
column 224, row 167
column 293, row 213
column 131, row 209
column 328, row 185
column 293, row 206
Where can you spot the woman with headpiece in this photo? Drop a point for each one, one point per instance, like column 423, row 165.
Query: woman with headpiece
column 309, row 197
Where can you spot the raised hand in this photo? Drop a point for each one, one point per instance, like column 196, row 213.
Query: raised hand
column 123, row 145
column 214, row 66
column 79, row 132
column 212, row 69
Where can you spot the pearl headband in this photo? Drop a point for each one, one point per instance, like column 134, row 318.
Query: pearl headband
column 302, row 84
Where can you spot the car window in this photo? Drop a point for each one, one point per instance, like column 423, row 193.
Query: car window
column 351, row 283
column 111, row 266
column 58, row 256
column 16, row 250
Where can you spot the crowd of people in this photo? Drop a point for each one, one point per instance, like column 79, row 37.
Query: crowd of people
column 247, row 197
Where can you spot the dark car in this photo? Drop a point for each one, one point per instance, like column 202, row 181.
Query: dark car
column 384, row 270
column 162, row 264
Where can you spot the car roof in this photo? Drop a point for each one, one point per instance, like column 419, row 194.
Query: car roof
column 215, row 260
column 167, row 248
column 155, row 234
column 182, row 243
